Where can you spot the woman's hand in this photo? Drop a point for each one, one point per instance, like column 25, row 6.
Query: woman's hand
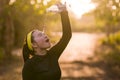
column 57, row 8
column 61, row 7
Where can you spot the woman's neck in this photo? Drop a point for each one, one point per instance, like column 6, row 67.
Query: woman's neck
column 41, row 52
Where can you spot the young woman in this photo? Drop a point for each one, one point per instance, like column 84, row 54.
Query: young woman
column 43, row 65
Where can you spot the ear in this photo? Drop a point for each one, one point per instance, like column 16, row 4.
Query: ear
column 34, row 45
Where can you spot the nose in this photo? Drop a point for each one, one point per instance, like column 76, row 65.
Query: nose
column 45, row 35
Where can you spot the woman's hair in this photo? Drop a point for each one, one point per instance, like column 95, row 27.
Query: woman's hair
column 26, row 51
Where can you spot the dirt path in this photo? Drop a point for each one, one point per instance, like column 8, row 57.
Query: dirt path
column 81, row 47
column 78, row 62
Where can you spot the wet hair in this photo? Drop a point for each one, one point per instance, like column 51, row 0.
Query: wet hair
column 26, row 51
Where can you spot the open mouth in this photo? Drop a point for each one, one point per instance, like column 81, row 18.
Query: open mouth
column 47, row 40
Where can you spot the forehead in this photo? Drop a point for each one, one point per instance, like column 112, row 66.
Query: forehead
column 36, row 32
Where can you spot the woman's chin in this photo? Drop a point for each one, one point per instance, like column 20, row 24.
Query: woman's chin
column 48, row 46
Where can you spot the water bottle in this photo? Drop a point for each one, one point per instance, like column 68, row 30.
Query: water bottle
column 53, row 8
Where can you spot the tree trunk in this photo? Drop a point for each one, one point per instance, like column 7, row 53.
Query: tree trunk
column 8, row 35
column 7, row 27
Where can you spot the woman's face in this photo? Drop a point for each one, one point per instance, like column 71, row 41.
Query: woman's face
column 41, row 40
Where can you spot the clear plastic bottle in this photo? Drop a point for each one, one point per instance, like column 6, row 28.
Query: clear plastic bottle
column 53, row 8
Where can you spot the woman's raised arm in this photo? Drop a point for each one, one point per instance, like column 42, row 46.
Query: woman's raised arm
column 57, row 49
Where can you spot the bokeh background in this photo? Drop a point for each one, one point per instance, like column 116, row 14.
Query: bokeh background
column 93, row 52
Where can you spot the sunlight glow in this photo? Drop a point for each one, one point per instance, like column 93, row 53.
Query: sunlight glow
column 32, row 2
column 114, row 7
column 38, row 1
column 117, row 1
column 79, row 7
column 46, row 1
column 11, row 2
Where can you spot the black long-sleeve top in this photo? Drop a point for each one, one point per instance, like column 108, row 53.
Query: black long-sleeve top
column 47, row 67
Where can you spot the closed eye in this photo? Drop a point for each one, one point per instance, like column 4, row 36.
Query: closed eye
column 40, row 34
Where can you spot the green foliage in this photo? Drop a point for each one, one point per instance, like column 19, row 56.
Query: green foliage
column 111, row 48
column 107, row 10
column 107, row 13
column 20, row 17
column 112, row 40
column 29, row 15
column 112, row 58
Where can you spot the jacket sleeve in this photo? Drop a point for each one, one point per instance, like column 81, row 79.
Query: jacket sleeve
column 57, row 49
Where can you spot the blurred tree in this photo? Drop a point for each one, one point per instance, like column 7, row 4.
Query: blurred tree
column 7, row 27
column 107, row 13
column 28, row 15
column 17, row 17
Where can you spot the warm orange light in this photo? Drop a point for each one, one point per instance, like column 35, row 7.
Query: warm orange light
column 79, row 7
